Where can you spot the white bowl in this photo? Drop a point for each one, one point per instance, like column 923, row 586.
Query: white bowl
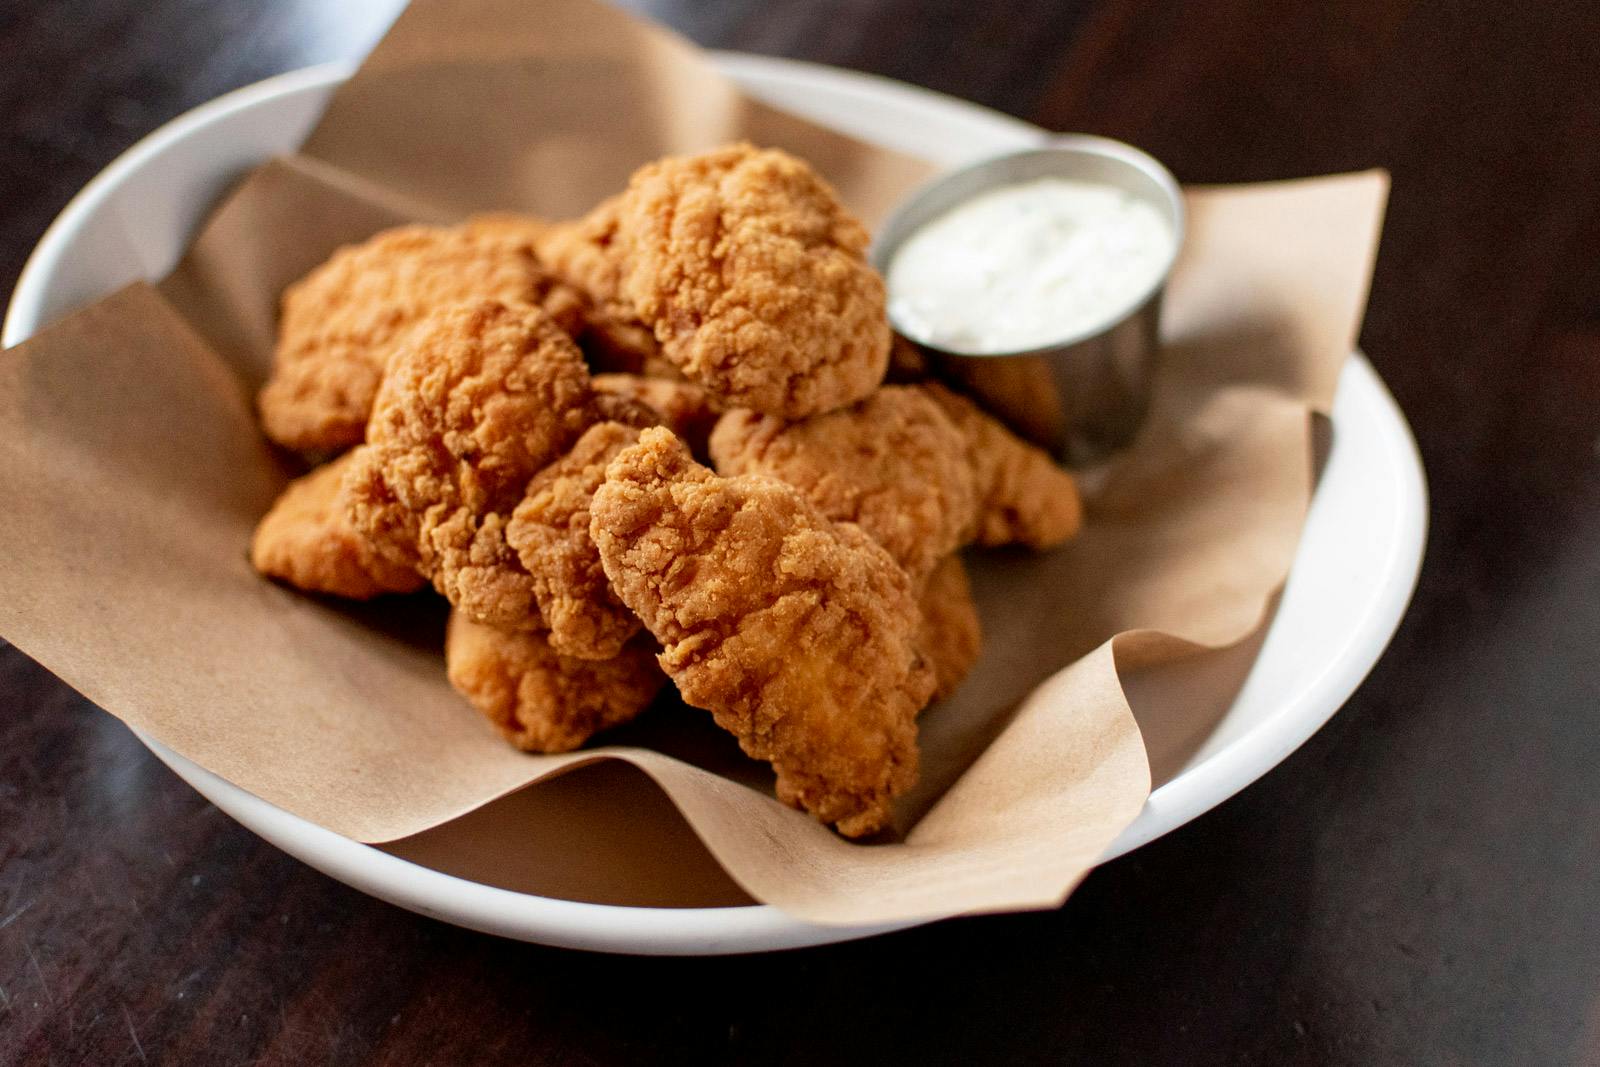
column 1356, row 566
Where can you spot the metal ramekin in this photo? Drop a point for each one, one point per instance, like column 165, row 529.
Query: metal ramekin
column 1085, row 395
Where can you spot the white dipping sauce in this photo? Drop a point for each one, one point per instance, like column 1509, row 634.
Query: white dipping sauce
column 1027, row 265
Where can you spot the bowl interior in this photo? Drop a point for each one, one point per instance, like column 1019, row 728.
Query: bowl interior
column 1356, row 565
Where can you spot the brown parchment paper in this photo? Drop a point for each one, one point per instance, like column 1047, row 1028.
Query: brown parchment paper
column 132, row 473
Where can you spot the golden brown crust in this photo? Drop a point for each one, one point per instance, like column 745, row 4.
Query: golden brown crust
column 541, row 701
column 583, row 253
column 682, row 407
column 950, row 637
column 341, row 322
column 550, row 532
column 796, row 633
column 894, row 464
column 480, row 399
column 307, row 541
column 513, row 226
column 752, row 275
column 1023, row 496
column 613, row 407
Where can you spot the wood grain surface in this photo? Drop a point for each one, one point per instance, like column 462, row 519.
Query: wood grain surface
column 1418, row 884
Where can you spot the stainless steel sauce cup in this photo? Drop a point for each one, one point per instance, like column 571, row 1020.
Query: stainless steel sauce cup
column 1084, row 395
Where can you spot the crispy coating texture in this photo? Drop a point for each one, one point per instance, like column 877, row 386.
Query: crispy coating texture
column 550, row 532
column 950, row 637
column 507, row 225
column 614, row 407
column 753, row 277
column 307, row 541
column 795, row 632
column 480, row 399
column 681, row 406
column 583, row 253
column 540, row 700
column 341, row 322
column 893, row 463
column 1023, row 496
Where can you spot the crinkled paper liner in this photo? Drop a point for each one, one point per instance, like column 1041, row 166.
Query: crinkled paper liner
column 133, row 474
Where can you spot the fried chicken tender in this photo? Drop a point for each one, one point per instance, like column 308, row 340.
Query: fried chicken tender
column 583, row 253
column 341, row 322
column 507, row 225
column 611, row 406
column 540, row 700
column 796, row 633
column 480, row 399
column 950, row 636
column 893, row 463
column 680, row 406
column 1023, row 496
column 753, row 277
column 550, row 532
column 307, row 541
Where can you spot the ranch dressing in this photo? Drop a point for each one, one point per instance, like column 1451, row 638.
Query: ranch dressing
column 1027, row 265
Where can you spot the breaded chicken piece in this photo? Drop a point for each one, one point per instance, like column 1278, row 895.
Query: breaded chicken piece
column 950, row 637
column 583, row 253
column 307, row 541
column 796, row 633
column 680, row 406
column 479, row 399
column 893, row 463
column 341, row 322
column 753, row 277
column 542, row 701
column 1022, row 495
column 611, row 406
column 618, row 344
column 550, row 532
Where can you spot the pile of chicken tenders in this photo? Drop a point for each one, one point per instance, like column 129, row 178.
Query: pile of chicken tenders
column 651, row 444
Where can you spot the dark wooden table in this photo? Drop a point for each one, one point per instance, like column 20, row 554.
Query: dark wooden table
column 1418, row 884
